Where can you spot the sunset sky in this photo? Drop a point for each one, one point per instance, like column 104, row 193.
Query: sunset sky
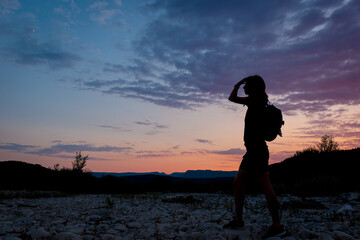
column 142, row 85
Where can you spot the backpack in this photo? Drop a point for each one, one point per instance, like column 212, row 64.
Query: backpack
column 273, row 122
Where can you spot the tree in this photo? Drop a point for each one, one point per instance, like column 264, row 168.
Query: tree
column 327, row 144
column 80, row 162
column 57, row 167
column 308, row 150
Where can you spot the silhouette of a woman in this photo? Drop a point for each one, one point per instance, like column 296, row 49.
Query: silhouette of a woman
column 255, row 161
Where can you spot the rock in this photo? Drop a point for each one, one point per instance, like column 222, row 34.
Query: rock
column 163, row 227
column 356, row 232
column 93, row 217
column 306, row 234
column 27, row 212
column 184, row 228
column 325, row 236
column 165, row 219
column 317, row 218
column 38, row 233
column 353, row 196
column 11, row 238
column 180, row 199
column 24, row 220
column 183, row 235
column 345, row 208
column 211, row 234
column 103, row 227
column 303, row 204
column 338, row 235
column 236, row 234
column 204, row 226
column 134, row 225
column 120, row 227
column 289, row 238
column 22, row 224
column 109, row 237
column 101, row 212
column 119, row 220
column 337, row 227
column 112, row 232
column 67, row 236
column 150, row 231
column 196, row 236
column 78, row 229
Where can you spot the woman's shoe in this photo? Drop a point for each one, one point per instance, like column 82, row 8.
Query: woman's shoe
column 275, row 232
column 233, row 224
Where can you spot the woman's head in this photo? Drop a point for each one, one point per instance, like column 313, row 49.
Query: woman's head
column 255, row 87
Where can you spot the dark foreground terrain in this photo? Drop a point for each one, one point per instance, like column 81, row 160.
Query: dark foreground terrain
column 175, row 216
column 307, row 173
column 319, row 195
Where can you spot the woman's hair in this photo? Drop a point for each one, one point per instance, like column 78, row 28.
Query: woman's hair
column 257, row 87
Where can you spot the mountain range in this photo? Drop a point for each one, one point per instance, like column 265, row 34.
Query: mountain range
column 305, row 173
column 190, row 174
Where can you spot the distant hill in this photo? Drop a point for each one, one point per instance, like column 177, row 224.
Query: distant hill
column 17, row 175
column 306, row 173
column 124, row 174
column 187, row 174
column 204, row 174
column 318, row 172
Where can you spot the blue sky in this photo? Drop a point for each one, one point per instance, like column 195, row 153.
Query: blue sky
column 143, row 85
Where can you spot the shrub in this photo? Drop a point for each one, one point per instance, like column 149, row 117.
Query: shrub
column 79, row 163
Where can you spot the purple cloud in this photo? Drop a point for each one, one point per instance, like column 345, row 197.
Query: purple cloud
column 150, row 154
column 72, row 148
column 115, row 128
column 9, row 5
column 336, row 126
column 22, row 44
column 232, row 151
column 203, row 141
column 114, row 68
column 17, row 147
column 57, row 149
column 194, row 51
column 160, row 94
column 31, row 52
column 103, row 83
column 146, row 123
column 154, row 125
column 104, row 15
column 98, row 5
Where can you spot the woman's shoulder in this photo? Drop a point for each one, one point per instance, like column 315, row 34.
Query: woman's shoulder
column 256, row 102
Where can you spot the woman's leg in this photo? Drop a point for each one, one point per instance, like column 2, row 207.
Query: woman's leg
column 239, row 193
column 273, row 204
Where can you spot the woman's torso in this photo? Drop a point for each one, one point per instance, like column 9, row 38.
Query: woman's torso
column 254, row 124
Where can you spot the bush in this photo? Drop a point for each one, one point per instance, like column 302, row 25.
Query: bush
column 80, row 162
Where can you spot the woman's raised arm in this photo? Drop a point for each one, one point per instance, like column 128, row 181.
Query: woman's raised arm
column 233, row 95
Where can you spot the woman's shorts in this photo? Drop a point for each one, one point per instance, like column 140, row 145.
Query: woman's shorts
column 256, row 158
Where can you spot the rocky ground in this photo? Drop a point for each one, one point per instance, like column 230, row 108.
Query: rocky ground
column 174, row 216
